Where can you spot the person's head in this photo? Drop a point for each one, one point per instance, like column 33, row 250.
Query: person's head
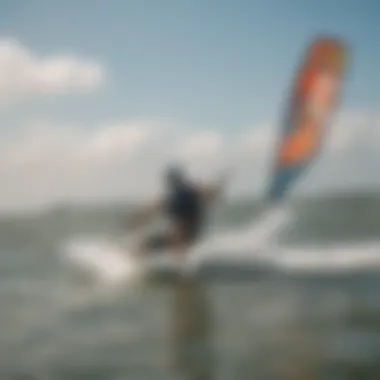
column 174, row 176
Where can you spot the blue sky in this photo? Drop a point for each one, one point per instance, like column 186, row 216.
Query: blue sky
column 215, row 64
column 216, row 71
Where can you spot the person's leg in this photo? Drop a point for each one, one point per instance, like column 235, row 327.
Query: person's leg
column 176, row 241
column 184, row 235
column 152, row 244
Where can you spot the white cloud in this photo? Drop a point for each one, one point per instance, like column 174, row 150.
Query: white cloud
column 23, row 73
column 47, row 163
column 202, row 145
column 257, row 141
column 351, row 157
column 196, row 149
column 352, row 128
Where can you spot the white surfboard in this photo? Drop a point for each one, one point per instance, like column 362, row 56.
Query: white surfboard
column 110, row 262
column 101, row 259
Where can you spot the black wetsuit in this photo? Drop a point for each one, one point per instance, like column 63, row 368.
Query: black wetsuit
column 185, row 210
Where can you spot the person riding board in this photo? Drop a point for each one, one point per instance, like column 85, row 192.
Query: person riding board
column 184, row 205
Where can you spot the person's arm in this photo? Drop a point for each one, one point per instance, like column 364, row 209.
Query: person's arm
column 144, row 214
column 213, row 192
